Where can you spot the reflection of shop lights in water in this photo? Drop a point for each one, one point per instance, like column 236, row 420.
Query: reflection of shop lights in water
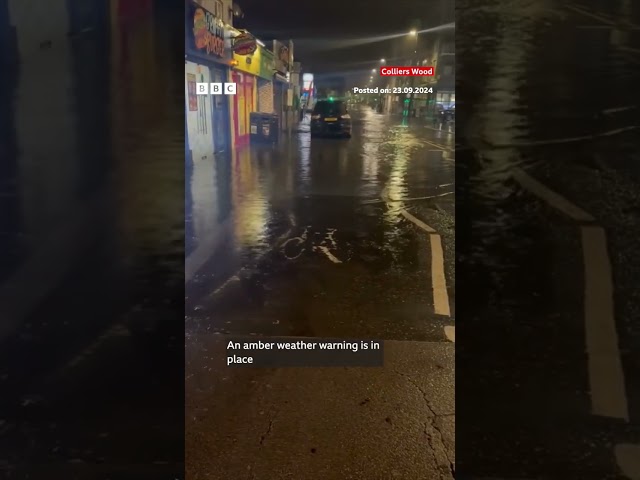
column 251, row 219
column 305, row 167
column 370, row 162
column 251, row 212
column 396, row 187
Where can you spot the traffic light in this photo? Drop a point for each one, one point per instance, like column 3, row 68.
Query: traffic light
column 405, row 109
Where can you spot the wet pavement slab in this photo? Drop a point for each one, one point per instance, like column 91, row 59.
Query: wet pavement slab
column 315, row 423
column 550, row 170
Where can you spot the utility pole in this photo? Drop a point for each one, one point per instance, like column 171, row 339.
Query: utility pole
column 415, row 33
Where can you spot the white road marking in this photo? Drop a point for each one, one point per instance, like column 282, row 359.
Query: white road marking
column 389, row 200
column 329, row 255
column 594, row 27
column 559, row 141
column 233, row 278
column 199, row 257
column 118, row 330
column 610, row 111
column 606, row 19
column 619, row 130
column 417, row 221
column 450, row 333
column 550, row 197
column 236, row 276
column 581, row 11
column 445, row 194
column 628, row 458
column 606, row 376
column 438, row 146
column 438, row 280
column 439, row 130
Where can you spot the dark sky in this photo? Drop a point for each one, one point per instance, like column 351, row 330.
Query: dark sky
column 318, row 27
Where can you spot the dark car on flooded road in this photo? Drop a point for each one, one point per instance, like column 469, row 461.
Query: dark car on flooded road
column 330, row 118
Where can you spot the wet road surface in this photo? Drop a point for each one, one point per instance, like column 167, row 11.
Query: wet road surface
column 551, row 174
column 308, row 233
column 94, row 236
column 310, row 240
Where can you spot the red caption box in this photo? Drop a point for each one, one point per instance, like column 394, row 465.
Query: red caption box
column 407, row 71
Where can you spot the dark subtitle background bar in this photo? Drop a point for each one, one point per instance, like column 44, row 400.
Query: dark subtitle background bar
column 276, row 352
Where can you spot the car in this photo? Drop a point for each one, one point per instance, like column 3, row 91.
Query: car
column 330, row 118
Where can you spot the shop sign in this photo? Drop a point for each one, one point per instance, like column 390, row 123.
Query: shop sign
column 282, row 55
column 267, row 64
column 244, row 44
column 208, row 32
column 193, row 98
column 248, row 63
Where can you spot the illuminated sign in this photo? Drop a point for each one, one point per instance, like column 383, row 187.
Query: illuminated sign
column 244, row 44
column 208, row 32
column 282, row 55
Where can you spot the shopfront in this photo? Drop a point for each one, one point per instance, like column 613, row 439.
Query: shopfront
column 245, row 74
column 265, row 82
column 207, row 61
column 283, row 99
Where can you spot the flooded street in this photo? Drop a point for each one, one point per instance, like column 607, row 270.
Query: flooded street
column 323, row 238
column 550, row 167
column 298, row 239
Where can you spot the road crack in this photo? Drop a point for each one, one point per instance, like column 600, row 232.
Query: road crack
column 431, row 426
column 264, row 436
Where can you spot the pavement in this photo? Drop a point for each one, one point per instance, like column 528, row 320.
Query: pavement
column 315, row 423
column 550, row 182
column 327, row 240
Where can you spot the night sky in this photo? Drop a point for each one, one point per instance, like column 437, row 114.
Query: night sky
column 318, row 27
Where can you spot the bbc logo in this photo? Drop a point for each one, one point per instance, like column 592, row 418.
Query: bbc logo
column 216, row 88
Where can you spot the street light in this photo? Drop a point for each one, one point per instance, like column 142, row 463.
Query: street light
column 373, row 70
column 413, row 33
column 382, row 60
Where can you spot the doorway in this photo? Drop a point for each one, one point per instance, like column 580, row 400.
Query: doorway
column 220, row 115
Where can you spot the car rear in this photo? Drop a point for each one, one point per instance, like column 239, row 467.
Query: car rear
column 330, row 118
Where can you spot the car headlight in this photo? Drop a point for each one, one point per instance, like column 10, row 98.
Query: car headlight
column 345, row 116
column 315, row 117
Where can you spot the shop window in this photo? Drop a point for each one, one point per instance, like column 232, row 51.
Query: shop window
column 218, row 10
column 447, row 70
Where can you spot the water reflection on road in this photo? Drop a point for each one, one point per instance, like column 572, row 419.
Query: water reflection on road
column 329, row 183
column 550, row 89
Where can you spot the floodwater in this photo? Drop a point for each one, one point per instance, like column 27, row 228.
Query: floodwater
column 262, row 224
column 549, row 88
